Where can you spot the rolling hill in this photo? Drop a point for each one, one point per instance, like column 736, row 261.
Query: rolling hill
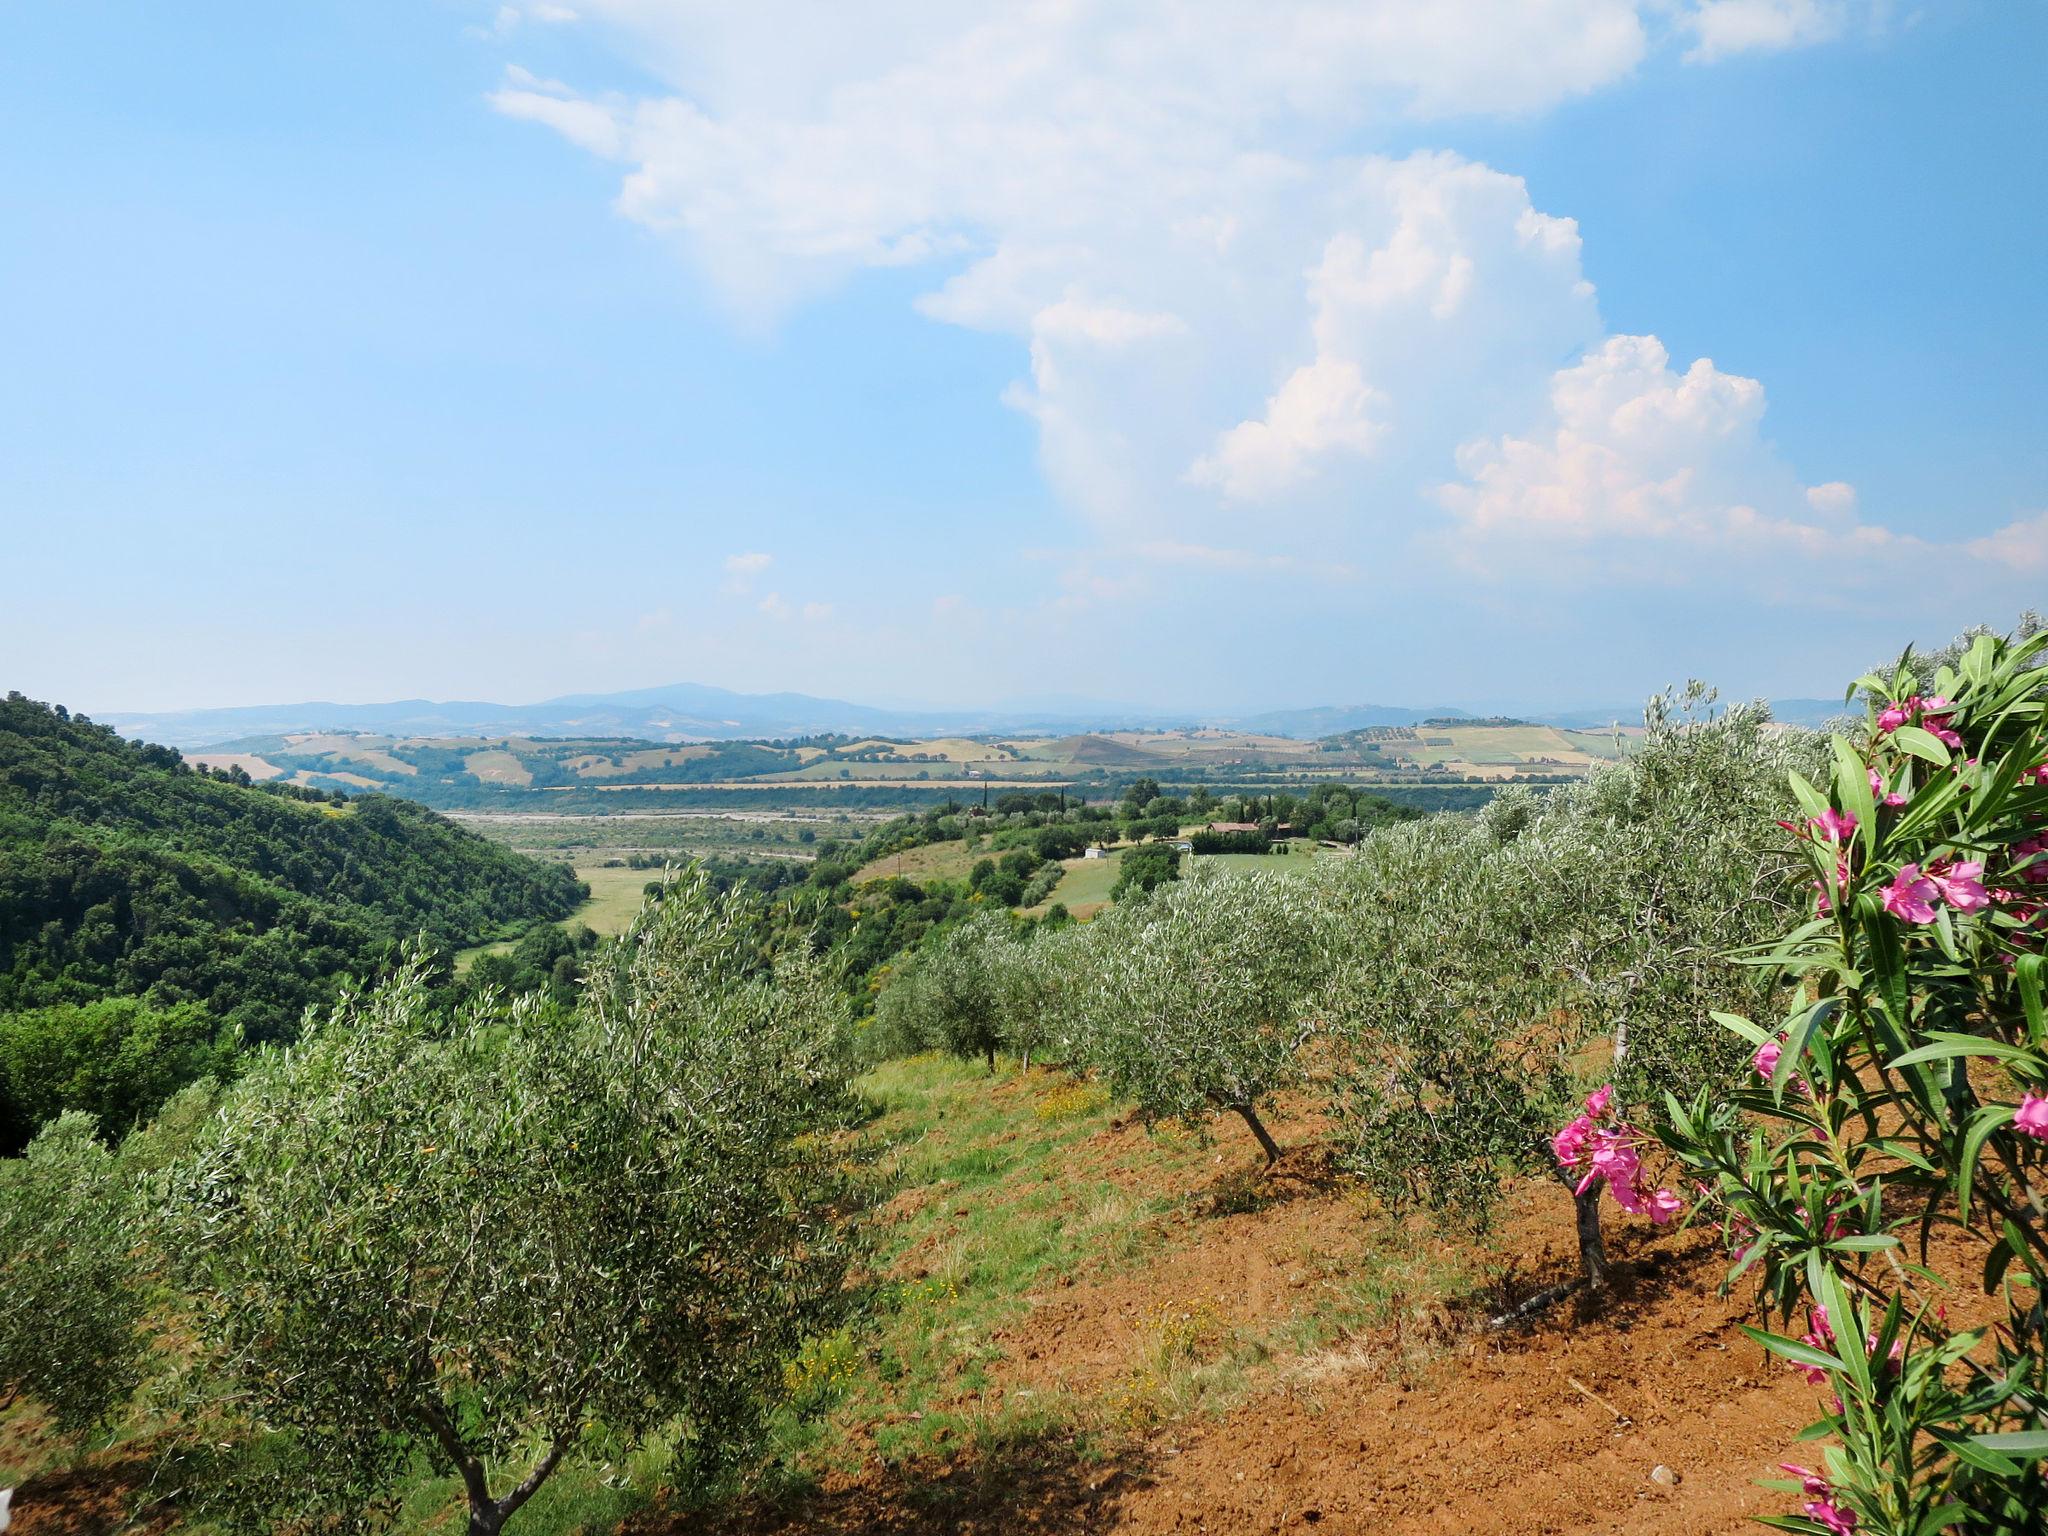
column 125, row 873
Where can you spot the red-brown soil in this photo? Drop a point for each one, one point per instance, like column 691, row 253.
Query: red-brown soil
column 1553, row 1426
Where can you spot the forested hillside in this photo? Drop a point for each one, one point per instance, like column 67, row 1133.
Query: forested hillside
column 123, row 872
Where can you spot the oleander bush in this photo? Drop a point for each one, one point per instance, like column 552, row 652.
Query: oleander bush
column 1889, row 1153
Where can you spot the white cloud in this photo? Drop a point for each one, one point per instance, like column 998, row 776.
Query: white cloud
column 1641, row 472
column 591, row 125
column 742, row 571
column 2021, row 545
column 776, row 606
column 817, row 613
column 1837, row 498
column 1721, row 28
column 796, row 144
column 1324, row 407
column 1221, row 307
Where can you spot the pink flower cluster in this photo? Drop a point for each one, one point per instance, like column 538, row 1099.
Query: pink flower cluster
column 1913, row 893
column 1934, row 716
column 1820, row 1506
column 1611, row 1152
column 2031, row 1118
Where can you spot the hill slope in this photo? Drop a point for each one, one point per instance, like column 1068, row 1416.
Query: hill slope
column 123, row 872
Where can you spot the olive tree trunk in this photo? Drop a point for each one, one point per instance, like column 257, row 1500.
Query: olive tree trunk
column 1258, row 1129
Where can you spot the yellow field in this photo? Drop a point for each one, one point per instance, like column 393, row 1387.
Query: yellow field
column 257, row 768
column 931, row 861
column 615, row 898
column 594, row 765
column 305, row 776
column 499, row 767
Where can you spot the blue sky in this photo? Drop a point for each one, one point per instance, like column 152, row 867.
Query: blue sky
column 1490, row 352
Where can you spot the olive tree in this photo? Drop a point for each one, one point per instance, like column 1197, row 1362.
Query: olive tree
column 950, row 996
column 1488, row 964
column 1451, row 1067
column 1035, row 980
column 71, row 1327
column 1193, row 999
column 486, row 1243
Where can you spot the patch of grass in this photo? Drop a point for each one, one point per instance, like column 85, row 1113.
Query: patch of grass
column 1299, row 855
column 951, row 860
column 1395, row 1312
column 1084, row 888
column 981, row 1223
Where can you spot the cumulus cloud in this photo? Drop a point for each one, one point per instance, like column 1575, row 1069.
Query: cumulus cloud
column 1665, row 476
column 743, row 570
column 1324, row 407
column 1222, row 307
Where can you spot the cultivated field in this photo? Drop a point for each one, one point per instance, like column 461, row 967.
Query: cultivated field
column 458, row 771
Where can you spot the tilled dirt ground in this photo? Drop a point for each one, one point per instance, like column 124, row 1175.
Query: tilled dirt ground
column 1649, row 1412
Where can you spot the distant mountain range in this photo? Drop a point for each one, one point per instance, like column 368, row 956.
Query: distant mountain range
column 696, row 712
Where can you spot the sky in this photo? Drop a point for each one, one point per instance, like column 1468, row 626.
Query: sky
column 1495, row 353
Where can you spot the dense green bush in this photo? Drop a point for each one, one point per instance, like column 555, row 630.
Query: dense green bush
column 1144, row 869
column 951, row 995
column 1485, row 964
column 116, row 1060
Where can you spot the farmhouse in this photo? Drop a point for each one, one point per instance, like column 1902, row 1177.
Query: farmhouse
column 1093, row 852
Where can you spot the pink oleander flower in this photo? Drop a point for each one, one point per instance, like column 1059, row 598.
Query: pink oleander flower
column 1664, row 1205
column 1893, row 1356
column 2031, row 1118
column 1765, row 1061
column 1598, row 1100
column 1882, row 795
column 1826, row 901
column 1818, row 1336
column 1961, row 883
column 1812, row 1484
column 2038, row 774
column 2026, row 857
column 1830, row 1514
column 1911, row 896
column 1570, row 1142
column 1935, row 717
column 1897, row 713
column 1614, row 1159
column 1833, row 826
